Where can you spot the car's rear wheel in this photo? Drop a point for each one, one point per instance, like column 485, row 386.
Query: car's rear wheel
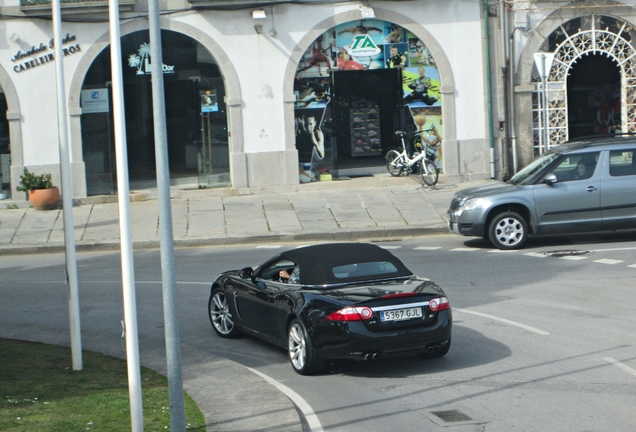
column 221, row 315
column 508, row 230
column 301, row 353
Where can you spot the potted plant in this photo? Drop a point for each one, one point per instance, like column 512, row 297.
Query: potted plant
column 39, row 189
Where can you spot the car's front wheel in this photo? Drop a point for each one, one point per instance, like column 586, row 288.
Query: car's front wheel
column 221, row 315
column 508, row 230
column 301, row 353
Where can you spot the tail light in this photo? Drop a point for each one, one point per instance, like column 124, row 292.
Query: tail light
column 350, row 313
column 438, row 304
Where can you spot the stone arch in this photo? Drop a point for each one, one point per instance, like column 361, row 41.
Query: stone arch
column 441, row 60
column 233, row 90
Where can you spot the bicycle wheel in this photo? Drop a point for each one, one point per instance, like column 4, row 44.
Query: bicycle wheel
column 394, row 163
column 429, row 172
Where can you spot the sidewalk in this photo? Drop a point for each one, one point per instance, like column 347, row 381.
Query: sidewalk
column 368, row 208
column 371, row 208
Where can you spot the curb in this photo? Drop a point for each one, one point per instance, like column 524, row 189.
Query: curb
column 385, row 234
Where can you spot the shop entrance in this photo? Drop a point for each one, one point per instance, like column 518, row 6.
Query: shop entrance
column 357, row 84
column 196, row 117
column 594, row 96
column 366, row 114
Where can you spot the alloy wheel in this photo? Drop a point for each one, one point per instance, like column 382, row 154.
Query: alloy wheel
column 297, row 346
column 220, row 314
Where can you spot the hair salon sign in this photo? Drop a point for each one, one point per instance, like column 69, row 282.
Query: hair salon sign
column 40, row 55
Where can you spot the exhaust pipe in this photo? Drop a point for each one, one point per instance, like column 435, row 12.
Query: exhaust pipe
column 432, row 349
column 371, row 355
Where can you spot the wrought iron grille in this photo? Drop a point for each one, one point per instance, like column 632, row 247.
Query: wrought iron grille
column 595, row 34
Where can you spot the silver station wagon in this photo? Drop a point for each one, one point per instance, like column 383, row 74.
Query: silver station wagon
column 577, row 187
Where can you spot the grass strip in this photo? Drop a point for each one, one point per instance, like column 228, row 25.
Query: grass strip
column 41, row 392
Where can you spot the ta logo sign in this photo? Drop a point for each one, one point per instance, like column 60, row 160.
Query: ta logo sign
column 363, row 46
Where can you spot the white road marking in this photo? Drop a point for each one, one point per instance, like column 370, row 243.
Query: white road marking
column 614, row 249
column 503, row 320
column 308, row 412
column 574, row 258
column 390, row 247
column 427, row 248
column 620, row 365
column 632, row 266
column 465, row 249
column 268, row 247
column 537, row 255
column 608, row 261
column 501, row 251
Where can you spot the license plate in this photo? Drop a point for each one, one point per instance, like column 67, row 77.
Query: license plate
column 401, row 314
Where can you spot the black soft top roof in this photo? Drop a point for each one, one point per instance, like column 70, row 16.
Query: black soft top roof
column 316, row 262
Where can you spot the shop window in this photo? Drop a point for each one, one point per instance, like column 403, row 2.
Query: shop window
column 355, row 86
column 196, row 116
column 5, row 150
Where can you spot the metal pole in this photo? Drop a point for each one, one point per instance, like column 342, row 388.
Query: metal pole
column 544, row 93
column 491, row 131
column 127, row 266
column 513, row 112
column 170, row 309
column 67, row 193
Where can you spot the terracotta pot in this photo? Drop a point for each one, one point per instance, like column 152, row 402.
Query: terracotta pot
column 44, row 199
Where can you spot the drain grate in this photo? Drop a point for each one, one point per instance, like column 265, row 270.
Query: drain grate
column 452, row 416
column 563, row 253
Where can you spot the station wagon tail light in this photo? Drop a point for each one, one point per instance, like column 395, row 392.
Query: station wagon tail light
column 350, row 313
column 438, row 304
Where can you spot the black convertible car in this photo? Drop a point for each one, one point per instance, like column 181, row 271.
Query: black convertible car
column 333, row 301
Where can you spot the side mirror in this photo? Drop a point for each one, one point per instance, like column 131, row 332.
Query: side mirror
column 550, row 179
column 246, row 273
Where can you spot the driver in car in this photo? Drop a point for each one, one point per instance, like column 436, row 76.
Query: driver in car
column 283, row 276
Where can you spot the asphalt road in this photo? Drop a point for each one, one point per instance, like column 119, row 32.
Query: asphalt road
column 543, row 337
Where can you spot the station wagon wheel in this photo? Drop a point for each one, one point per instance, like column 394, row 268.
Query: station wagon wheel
column 508, row 230
column 393, row 164
column 221, row 316
column 301, row 353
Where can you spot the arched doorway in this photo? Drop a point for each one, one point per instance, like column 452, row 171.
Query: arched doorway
column 594, row 96
column 5, row 150
column 355, row 86
column 196, row 115
column 584, row 40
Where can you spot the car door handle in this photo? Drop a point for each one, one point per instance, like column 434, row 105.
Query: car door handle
column 591, row 189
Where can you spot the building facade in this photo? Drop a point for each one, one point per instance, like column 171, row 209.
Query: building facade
column 247, row 88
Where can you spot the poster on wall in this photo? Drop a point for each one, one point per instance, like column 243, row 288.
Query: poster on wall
column 95, row 101
column 209, row 102
column 367, row 45
column 428, row 121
